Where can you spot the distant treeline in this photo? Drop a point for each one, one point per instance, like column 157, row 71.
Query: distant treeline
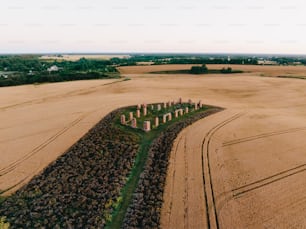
column 18, row 70
column 213, row 61
column 159, row 59
column 15, row 80
column 197, row 70
column 33, row 63
column 28, row 69
column 204, row 70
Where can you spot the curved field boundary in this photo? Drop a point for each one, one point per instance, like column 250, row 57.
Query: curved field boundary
column 145, row 209
column 209, row 195
column 13, row 186
column 175, row 152
column 186, row 188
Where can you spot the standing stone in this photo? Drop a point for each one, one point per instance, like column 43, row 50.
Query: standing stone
column 165, row 118
column 180, row 100
column 181, row 112
column 138, row 106
column 176, row 114
column 196, row 106
column 169, row 104
column 158, row 107
column 186, row 110
column 156, row 121
column 134, row 123
column 200, row 104
column 170, row 116
column 123, row 122
column 147, row 126
column 144, row 111
column 138, row 113
column 165, row 105
column 131, row 115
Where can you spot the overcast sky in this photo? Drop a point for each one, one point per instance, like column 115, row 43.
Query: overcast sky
column 226, row 26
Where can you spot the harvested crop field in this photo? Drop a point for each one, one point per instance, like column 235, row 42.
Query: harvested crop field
column 271, row 71
column 251, row 156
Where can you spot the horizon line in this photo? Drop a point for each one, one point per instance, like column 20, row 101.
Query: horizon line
column 151, row 53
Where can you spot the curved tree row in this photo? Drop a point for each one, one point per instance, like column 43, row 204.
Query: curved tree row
column 145, row 209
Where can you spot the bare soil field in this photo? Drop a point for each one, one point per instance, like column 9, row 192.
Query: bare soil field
column 241, row 168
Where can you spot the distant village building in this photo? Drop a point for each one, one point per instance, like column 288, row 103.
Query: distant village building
column 297, row 63
column 267, row 62
column 3, row 75
column 30, row 73
column 53, row 68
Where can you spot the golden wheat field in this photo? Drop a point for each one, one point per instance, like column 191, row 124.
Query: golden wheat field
column 243, row 167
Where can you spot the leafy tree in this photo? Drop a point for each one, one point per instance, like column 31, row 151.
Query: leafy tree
column 30, row 69
column 199, row 69
column 226, row 70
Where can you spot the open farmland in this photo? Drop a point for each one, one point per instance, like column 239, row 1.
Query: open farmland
column 259, row 70
column 92, row 184
column 251, row 156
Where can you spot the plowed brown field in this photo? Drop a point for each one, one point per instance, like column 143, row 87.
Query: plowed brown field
column 244, row 167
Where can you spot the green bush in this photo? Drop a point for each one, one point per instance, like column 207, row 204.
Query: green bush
column 199, row 69
column 226, row 70
column 3, row 224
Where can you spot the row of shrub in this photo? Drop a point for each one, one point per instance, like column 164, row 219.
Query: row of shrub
column 45, row 77
column 145, row 209
column 82, row 187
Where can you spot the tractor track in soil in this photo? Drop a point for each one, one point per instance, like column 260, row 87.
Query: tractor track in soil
column 208, row 192
column 37, row 149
